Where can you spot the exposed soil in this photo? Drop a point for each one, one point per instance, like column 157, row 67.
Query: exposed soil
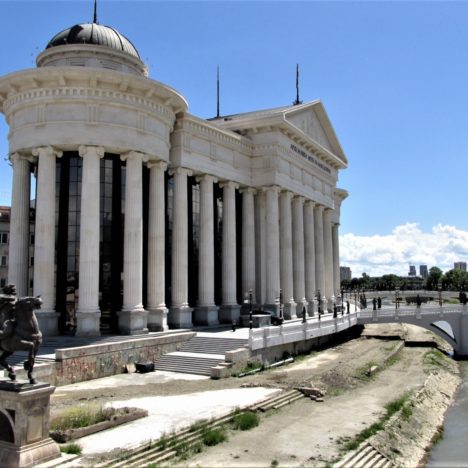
column 305, row 433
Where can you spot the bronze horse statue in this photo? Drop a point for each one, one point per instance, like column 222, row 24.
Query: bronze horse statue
column 19, row 330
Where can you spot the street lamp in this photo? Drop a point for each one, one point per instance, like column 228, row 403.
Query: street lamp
column 250, row 309
column 319, row 298
column 439, row 288
column 396, row 297
column 342, row 301
column 281, row 305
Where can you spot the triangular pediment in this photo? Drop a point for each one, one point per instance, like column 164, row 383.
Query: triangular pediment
column 312, row 120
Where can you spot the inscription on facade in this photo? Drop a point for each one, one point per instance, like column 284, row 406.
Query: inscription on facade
column 310, row 158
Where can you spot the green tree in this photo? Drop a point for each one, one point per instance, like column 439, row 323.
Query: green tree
column 432, row 281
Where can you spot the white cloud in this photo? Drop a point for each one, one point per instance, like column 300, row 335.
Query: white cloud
column 407, row 244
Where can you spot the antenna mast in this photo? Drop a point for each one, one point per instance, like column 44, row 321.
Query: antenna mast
column 217, row 92
column 297, row 101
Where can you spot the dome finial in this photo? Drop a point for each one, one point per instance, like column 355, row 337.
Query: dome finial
column 95, row 21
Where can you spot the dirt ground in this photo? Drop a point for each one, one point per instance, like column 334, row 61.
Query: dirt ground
column 305, row 433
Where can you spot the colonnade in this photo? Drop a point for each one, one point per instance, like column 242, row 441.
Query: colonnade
column 288, row 243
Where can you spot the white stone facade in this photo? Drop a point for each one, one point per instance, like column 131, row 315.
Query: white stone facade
column 268, row 178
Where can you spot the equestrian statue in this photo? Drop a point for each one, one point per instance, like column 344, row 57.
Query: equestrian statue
column 19, row 329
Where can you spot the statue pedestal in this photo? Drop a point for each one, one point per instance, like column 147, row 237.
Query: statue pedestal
column 24, row 424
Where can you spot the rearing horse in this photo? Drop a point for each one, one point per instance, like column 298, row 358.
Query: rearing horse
column 21, row 333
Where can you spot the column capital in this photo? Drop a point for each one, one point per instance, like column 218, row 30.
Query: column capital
column 85, row 150
column 298, row 198
column 271, row 188
column 207, row 177
column 310, row 203
column 287, row 194
column 250, row 190
column 47, row 151
column 319, row 208
column 229, row 184
column 21, row 157
column 134, row 156
column 159, row 164
column 180, row 170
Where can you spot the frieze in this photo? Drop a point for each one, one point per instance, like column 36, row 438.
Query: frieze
column 108, row 95
column 310, row 158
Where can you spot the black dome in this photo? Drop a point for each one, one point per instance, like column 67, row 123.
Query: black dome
column 95, row 34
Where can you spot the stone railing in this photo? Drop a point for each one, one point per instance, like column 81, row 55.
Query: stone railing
column 291, row 332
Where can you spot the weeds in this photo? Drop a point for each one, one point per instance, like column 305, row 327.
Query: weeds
column 79, row 416
column 245, row 421
column 212, row 437
column 71, row 448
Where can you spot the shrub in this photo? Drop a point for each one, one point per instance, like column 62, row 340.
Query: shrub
column 212, row 437
column 72, row 448
column 79, row 416
column 245, row 421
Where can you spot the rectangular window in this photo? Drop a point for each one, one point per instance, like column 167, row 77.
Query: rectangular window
column 2, row 282
column 3, row 261
column 32, row 239
column 32, row 262
column 3, row 237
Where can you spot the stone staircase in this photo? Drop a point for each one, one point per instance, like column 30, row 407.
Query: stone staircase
column 366, row 456
column 198, row 355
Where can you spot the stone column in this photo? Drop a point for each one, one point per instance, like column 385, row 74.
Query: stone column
column 286, row 252
column 156, row 287
column 18, row 265
column 273, row 249
column 336, row 260
column 309, row 248
column 260, row 247
column 328, row 250
column 88, row 314
column 44, row 235
column 230, row 310
column 133, row 318
column 298, row 250
column 319, row 256
column 206, row 312
column 248, row 241
column 180, row 314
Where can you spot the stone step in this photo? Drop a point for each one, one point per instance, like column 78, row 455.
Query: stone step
column 365, row 456
column 186, row 364
column 210, row 345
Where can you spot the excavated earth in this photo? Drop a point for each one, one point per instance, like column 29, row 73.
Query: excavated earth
column 358, row 377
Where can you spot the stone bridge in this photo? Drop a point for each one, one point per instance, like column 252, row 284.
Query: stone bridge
column 450, row 322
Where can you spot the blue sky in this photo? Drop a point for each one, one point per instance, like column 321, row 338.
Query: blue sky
column 393, row 77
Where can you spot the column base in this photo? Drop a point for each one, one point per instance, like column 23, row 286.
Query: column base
column 28, row 455
column 229, row 313
column 48, row 322
column 206, row 315
column 289, row 311
column 157, row 319
column 313, row 307
column 325, row 305
column 87, row 322
column 180, row 317
column 133, row 322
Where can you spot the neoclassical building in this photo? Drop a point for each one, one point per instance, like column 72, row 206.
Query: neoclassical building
column 148, row 217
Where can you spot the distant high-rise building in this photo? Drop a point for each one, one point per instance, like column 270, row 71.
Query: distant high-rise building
column 423, row 272
column 345, row 273
column 412, row 270
column 459, row 266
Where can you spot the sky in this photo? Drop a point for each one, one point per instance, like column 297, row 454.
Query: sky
column 393, row 77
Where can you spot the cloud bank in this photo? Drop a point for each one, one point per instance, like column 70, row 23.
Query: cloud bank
column 407, row 244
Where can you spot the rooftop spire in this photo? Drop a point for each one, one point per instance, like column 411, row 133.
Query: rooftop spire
column 297, row 101
column 95, row 21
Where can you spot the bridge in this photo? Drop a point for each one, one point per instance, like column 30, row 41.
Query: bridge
column 450, row 322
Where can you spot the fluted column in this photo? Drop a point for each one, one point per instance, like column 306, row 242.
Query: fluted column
column 133, row 319
column 298, row 249
column 18, row 265
column 319, row 255
column 309, row 250
column 273, row 248
column 260, row 247
column 328, row 250
column 336, row 259
column 88, row 313
column 44, row 235
column 229, row 309
column 248, row 241
column 206, row 312
column 180, row 314
column 156, row 284
column 286, row 252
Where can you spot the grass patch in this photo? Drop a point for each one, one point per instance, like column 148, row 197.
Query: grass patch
column 395, row 406
column 439, row 435
column 212, row 437
column 436, row 358
column 71, row 448
column 364, row 372
column 392, row 360
column 79, row 416
column 274, row 463
column 245, row 421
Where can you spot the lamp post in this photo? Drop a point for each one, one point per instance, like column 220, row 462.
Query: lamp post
column 396, row 298
column 439, row 288
column 281, row 305
column 250, row 309
column 342, row 301
column 304, row 310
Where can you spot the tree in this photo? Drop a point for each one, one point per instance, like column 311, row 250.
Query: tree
column 433, row 279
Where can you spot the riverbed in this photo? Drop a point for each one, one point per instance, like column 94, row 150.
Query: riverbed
column 452, row 450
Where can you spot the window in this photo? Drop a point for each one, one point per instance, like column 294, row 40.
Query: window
column 2, row 282
column 32, row 261
column 3, row 260
column 32, row 239
column 3, row 237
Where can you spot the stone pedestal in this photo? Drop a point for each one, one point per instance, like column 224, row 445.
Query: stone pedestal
column 24, row 425
column 157, row 319
column 229, row 313
column 180, row 317
column 133, row 322
column 206, row 315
